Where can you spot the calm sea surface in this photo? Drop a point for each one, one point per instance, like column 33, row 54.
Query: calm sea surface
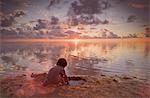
column 114, row 57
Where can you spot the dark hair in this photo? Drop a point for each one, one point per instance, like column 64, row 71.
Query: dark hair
column 62, row 62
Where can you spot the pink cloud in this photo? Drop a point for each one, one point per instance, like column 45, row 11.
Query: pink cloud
column 138, row 5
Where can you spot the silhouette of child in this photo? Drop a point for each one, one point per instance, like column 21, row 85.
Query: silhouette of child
column 57, row 75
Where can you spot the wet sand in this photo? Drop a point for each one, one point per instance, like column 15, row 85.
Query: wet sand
column 101, row 86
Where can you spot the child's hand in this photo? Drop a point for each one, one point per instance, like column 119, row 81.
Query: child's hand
column 67, row 83
column 44, row 83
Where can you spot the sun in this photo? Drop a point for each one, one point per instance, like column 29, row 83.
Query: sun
column 76, row 40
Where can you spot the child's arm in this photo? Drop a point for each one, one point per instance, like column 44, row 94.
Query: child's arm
column 64, row 78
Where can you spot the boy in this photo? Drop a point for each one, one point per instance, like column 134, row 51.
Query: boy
column 57, row 75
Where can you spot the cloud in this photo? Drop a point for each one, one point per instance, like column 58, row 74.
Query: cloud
column 8, row 20
column 54, row 20
column 89, row 19
column 147, row 32
column 105, row 21
column 18, row 13
column 56, row 33
column 112, row 35
column 131, row 18
column 41, row 24
column 9, row 6
column 90, row 7
column 7, row 33
column 132, row 36
column 138, row 5
column 72, row 34
column 104, row 34
column 53, row 2
column 108, row 34
column 86, row 20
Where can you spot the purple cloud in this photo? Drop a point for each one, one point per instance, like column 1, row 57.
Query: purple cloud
column 131, row 18
column 8, row 20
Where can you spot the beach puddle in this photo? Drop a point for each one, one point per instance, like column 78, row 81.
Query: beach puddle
column 73, row 80
column 76, row 81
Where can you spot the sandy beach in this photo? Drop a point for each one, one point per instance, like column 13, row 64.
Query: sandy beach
column 101, row 86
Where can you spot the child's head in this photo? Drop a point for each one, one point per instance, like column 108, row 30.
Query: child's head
column 62, row 62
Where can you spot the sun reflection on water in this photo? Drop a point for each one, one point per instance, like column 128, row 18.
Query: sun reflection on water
column 84, row 57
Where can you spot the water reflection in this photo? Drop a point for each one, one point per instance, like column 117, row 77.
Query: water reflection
column 146, row 49
column 88, row 58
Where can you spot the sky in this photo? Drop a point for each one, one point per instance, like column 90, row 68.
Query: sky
column 86, row 17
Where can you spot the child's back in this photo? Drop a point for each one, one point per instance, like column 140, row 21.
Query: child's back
column 54, row 74
column 57, row 75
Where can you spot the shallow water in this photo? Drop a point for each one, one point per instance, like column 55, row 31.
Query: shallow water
column 76, row 83
column 113, row 57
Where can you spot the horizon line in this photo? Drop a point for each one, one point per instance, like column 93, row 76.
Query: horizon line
column 70, row 39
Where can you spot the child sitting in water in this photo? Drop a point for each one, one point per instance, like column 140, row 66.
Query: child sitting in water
column 57, row 75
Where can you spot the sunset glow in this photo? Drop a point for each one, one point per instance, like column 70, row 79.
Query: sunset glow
column 75, row 49
column 41, row 19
